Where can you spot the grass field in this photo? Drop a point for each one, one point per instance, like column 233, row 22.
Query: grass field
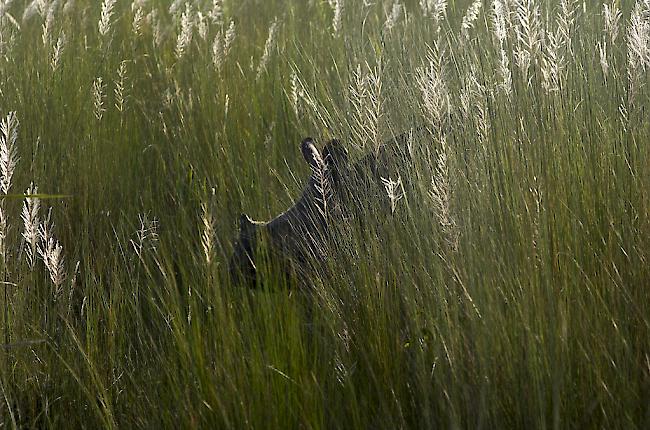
column 509, row 288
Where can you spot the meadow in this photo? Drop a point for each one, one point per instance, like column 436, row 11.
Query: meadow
column 506, row 287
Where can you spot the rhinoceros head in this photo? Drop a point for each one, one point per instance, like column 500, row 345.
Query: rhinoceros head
column 337, row 190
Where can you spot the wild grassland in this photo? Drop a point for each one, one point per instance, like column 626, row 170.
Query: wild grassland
column 507, row 289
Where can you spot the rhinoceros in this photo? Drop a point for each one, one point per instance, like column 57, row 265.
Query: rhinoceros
column 298, row 240
column 295, row 239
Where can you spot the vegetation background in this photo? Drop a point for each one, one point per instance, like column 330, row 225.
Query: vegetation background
column 508, row 288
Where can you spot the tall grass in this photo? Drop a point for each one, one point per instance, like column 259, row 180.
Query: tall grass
column 504, row 286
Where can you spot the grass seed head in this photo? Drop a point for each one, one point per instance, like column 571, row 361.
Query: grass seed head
column 470, row 17
column 31, row 221
column 104, row 25
column 269, row 46
column 51, row 251
column 98, row 96
column 8, row 151
column 187, row 28
column 394, row 16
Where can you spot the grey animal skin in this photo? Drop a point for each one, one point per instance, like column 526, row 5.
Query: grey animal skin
column 294, row 239
column 297, row 240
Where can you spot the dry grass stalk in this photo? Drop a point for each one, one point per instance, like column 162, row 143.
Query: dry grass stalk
column 31, row 221
column 185, row 36
column 104, row 25
column 51, row 251
column 268, row 48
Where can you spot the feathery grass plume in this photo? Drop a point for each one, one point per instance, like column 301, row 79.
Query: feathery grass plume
column 139, row 4
column 138, row 19
column 321, row 177
column 146, row 235
column 431, row 82
column 268, row 49
column 98, row 96
column 8, row 160
column 51, row 251
column 604, row 62
column 529, row 35
column 470, row 17
column 337, row 18
column 375, row 107
column 505, row 74
column 10, row 18
column 120, row 89
column 229, row 38
column 156, row 27
column 8, row 151
column 167, row 100
column 202, row 25
column 467, row 95
column 499, row 26
column 638, row 37
column 358, row 95
column 4, row 7
column 295, row 93
column 436, row 10
column 185, row 36
column 474, row 105
column 104, row 24
column 175, row 8
column 440, row 194
column 58, row 52
column 394, row 190
column 68, row 6
column 31, row 10
column 439, row 10
column 7, row 38
column 553, row 63
column 366, row 98
column 29, row 215
column 218, row 56
column 48, row 13
column 612, row 17
column 216, row 14
column 207, row 231
column 222, row 45
column 393, row 18
column 638, row 47
column 566, row 22
column 425, row 7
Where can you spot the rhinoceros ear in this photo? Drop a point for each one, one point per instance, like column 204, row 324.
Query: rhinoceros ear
column 310, row 153
column 246, row 225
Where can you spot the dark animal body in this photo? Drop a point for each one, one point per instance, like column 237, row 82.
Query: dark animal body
column 298, row 240
column 296, row 237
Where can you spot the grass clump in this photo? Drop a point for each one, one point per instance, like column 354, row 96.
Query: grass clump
column 505, row 284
